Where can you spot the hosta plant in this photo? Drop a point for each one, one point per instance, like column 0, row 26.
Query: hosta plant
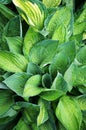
column 42, row 65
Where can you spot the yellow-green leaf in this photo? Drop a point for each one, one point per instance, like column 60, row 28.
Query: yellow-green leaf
column 51, row 3
column 69, row 114
column 32, row 11
column 12, row 62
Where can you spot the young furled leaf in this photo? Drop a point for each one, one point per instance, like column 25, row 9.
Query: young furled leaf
column 43, row 115
column 59, row 87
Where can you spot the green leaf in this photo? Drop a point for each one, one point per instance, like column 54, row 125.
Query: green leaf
column 82, row 102
column 21, row 125
column 58, row 88
column 82, row 16
column 30, row 113
column 43, row 115
column 21, row 104
column 7, row 123
column 75, row 75
column 31, row 38
column 79, row 27
column 33, row 69
column 61, row 17
column 3, row 86
column 68, row 113
column 5, row 1
column 12, row 28
column 81, row 55
column 6, row 101
column 65, row 55
column 6, row 12
column 50, row 3
column 60, row 34
column 46, row 80
column 48, row 125
column 15, row 44
column 32, row 86
column 12, row 62
column 16, row 82
column 33, row 12
column 43, row 52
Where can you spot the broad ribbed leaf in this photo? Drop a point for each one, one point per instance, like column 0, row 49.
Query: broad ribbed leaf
column 15, row 44
column 61, row 17
column 12, row 62
column 50, row 3
column 64, row 57
column 75, row 75
column 16, row 82
column 32, row 86
column 60, row 34
column 43, row 115
column 68, row 113
column 33, row 11
column 43, row 52
column 31, row 38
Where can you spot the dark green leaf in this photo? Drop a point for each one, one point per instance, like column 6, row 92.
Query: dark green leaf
column 6, row 101
column 5, row 1
column 15, row 44
column 64, row 57
column 43, row 52
column 6, row 12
